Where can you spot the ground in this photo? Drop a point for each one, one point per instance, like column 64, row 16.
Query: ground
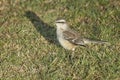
column 29, row 49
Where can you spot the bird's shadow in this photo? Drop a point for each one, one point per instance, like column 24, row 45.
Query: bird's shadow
column 47, row 31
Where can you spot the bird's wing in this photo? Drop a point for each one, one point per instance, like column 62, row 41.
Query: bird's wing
column 73, row 37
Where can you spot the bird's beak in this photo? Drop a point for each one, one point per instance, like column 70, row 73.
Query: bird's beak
column 56, row 21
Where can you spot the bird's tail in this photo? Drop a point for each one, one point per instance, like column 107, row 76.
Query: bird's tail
column 88, row 41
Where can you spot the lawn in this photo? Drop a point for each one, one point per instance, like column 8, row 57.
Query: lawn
column 29, row 49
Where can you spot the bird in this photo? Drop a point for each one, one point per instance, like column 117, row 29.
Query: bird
column 69, row 38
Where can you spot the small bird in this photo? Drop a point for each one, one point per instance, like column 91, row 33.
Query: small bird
column 70, row 39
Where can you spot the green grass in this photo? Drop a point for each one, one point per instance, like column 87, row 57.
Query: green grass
column 29, row 49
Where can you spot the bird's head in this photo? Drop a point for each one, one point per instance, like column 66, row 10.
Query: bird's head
column 61, row 23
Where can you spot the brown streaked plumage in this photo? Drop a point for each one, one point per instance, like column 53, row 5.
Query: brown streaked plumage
column 69, row 38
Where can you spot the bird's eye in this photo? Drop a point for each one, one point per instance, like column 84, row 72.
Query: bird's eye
column 61, row 22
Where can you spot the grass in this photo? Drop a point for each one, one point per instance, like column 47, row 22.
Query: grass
column 29, row 49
